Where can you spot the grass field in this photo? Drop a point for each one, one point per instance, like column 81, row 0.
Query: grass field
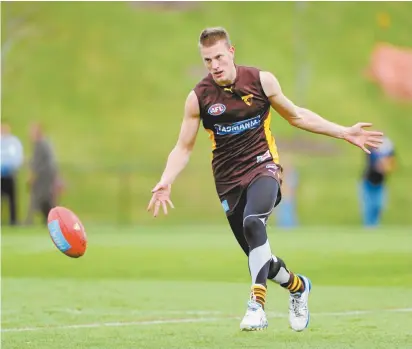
column 148, row 287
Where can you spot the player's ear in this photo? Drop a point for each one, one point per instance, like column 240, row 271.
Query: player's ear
column 232, row 51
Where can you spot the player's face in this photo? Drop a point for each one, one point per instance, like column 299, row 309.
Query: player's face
column 5, row 129
column 35, row 132
column 218, row 59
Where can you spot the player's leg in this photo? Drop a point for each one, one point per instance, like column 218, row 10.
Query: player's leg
column 8, row 192
column 31, row 210
column 369, row 205
column 277, row 268
column 382, row 198
column 299, row 287
column 255, row 317
column 260, row 203
column 261, row 196
column 45, row 208
column 379, row 202
column 13, row 201
column 236, row 224
column 260, row 200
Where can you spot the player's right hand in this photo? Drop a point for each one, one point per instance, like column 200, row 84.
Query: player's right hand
column 161, row 196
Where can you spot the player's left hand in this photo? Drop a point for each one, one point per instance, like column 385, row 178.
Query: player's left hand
column 356, row 135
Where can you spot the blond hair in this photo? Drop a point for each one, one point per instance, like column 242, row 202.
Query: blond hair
column 210, row 36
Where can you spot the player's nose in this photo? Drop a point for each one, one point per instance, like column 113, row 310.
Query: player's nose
column 215, row 65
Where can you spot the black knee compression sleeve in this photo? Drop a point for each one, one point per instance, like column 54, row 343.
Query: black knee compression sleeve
column 278, row 271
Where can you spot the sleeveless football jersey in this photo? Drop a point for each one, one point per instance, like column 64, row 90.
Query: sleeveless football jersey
column 237, row 118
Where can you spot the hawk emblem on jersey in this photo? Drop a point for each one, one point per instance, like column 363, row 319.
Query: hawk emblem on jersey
column 247, row 99
column 217, row 109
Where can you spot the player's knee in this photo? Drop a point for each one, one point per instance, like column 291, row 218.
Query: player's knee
column 254, row 230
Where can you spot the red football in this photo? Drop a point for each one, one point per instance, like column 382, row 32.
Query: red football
column 67, row 232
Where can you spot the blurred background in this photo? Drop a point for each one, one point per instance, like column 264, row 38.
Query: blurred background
column 105, row 84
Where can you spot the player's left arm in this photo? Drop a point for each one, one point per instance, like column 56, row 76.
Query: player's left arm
column 307, row 120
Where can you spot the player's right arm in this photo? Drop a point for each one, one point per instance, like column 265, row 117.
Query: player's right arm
column 179, row 156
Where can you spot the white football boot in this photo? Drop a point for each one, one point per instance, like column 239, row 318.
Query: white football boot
column 255, row 317
column 298, row 306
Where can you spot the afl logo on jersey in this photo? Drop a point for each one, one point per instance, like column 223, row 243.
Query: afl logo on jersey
column 217, row 109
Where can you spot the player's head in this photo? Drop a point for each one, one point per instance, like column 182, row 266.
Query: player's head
column 5, row 127
column 35, row 131
column 218, row 54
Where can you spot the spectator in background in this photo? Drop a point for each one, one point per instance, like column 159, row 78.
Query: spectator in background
column 43, row 180
column 286, row 211
column 11, row 161
column 379, row 164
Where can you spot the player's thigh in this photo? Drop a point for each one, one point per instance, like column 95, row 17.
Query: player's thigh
column 236, row 224
column 5, row 186
column 261, row 197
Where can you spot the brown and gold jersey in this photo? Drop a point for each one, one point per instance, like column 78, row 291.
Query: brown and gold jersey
column 237, row 118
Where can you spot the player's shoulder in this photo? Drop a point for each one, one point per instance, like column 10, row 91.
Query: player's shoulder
column 263, row 75
column 267, row 75
column 204, row 87
column 249, row 75
column 247, row 70
column 206, row 81
column 192, row 104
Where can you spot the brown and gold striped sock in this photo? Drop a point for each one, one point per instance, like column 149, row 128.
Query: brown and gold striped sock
column 294, row 284
column 259, row 294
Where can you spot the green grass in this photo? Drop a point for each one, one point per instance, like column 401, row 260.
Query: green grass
column 186, row 287
column 109, row 80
